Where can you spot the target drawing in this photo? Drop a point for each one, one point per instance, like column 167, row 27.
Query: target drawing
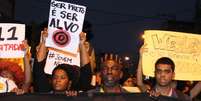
column 61, row 38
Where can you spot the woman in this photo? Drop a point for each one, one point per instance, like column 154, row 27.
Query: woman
column 64, row 78
column 41, row 79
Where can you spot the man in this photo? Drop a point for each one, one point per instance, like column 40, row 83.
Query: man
column 164, row 74
column 111, row 73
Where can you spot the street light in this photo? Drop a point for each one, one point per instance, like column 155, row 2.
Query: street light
column 126, row 58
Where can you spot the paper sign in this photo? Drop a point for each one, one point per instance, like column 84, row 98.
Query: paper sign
column 64, row 26
column 183, row 48
column 11, row 37
column 55, row 58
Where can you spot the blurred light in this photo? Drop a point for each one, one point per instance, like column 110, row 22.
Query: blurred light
column 127, row 58
column 143, row 36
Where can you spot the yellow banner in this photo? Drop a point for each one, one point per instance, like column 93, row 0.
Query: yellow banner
column 183, row 48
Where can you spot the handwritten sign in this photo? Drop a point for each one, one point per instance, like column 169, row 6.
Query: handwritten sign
column 183, row 48
column 65, row 25
column 55, row 58
column 11, row 37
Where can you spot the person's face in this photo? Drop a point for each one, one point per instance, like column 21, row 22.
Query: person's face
column 111, row 73
column 129, row 82
column 7, row 74
column 164, row 74
column 60, row 80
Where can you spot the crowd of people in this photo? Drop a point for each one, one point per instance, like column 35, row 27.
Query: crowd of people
column 109, row 78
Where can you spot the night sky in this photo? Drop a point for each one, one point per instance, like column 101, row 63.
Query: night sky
column 117, row 24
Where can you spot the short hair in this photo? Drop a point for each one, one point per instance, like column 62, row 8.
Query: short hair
column 165, row 60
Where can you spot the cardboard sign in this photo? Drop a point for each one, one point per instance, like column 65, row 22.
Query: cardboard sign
column 56, row 57
column 64, row 26
column 11, row 37
column 183, row 48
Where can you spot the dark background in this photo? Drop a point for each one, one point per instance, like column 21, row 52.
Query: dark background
column 117, row 25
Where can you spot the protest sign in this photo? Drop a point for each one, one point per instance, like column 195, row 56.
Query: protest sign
column 64, row 26
column 56, row 57
column 11, row 37
column 183, row 48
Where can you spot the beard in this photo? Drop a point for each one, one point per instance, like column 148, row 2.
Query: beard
column 110, row 81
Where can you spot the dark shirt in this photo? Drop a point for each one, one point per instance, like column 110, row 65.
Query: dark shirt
column 42, row 84
column 40, row 79
column 100, row 90
column 179, row 95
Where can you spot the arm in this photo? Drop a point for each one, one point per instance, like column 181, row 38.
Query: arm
column 195, row 90
column 40, row 79
column 85, row 70
column 42, row 49
column 27, row 69
column 27, row 72
column 93, row 60
column 140, row 73
column 84, row 55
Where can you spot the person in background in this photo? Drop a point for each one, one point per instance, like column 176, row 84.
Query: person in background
column 130, row 81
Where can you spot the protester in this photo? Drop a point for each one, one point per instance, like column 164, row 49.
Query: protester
column 164, row 74
column 43, row 84
column 64, row 79
column 130, row 81
column 110, row 73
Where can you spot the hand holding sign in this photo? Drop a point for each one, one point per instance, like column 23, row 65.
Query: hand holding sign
column 82, row 37
column 44, row 34
column 183, row 48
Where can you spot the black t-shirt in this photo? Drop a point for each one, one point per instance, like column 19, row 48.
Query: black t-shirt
column 42, row 80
